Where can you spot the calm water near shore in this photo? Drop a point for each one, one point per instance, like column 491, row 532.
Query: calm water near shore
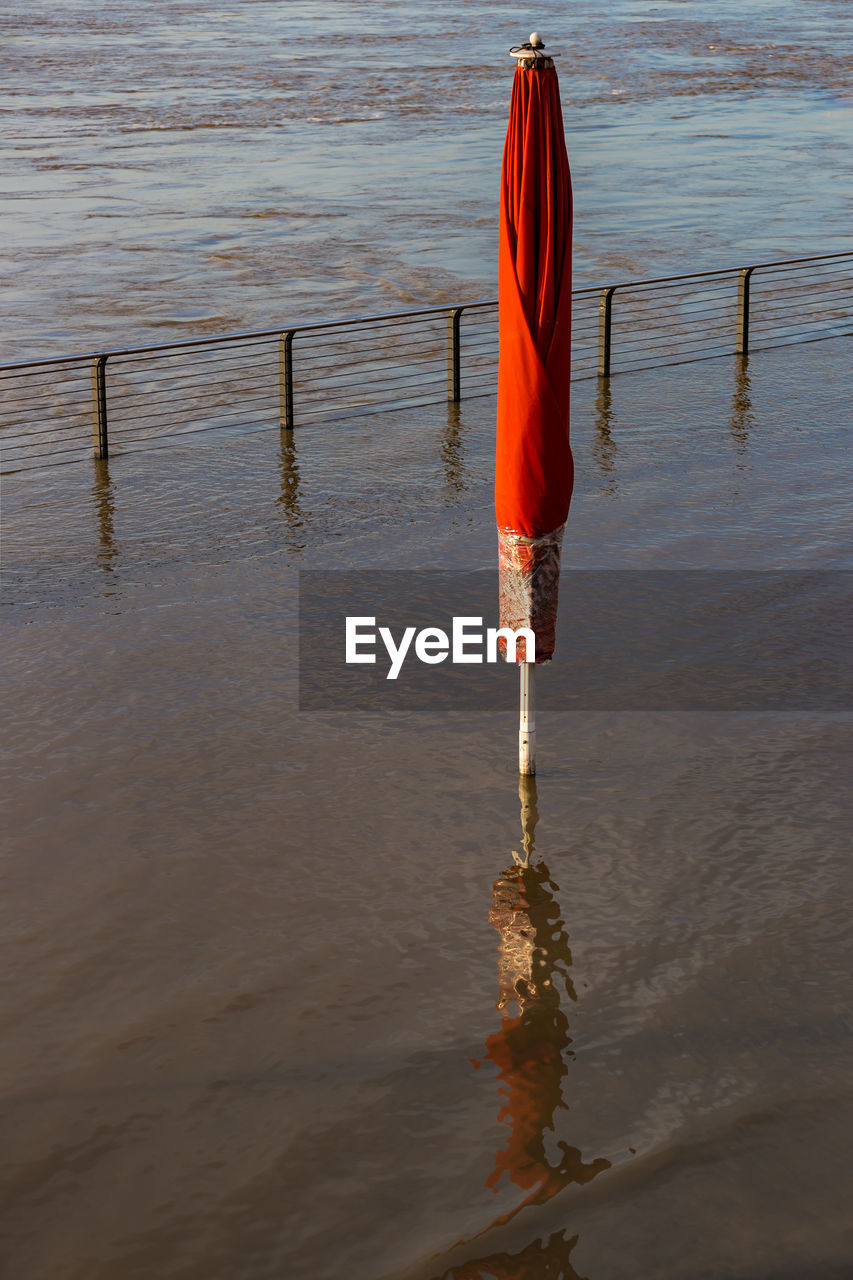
column 256, row 964
column 253, row 960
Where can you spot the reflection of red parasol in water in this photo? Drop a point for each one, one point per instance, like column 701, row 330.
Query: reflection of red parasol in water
column 534, row 469
column 528, row 1052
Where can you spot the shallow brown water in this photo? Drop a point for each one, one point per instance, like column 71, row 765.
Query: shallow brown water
column 194, row 167
column 251, row 959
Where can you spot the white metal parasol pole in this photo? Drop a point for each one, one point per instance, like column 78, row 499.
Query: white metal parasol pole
column 527, row 720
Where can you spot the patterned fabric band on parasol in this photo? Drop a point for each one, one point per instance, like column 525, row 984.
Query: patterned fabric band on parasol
column 528, row 582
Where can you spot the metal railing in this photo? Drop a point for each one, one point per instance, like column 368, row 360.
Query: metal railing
column 135, row 397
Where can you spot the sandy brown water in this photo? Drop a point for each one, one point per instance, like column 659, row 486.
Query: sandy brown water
column 189, row 167
column 251, row 959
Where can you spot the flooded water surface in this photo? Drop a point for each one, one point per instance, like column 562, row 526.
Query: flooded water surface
column 279, row 998
column 321, row 995
column 186, row 168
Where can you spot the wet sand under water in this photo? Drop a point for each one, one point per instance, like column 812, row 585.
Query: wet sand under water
column 251, row 960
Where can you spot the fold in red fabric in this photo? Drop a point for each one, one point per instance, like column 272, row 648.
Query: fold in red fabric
column 534, row 469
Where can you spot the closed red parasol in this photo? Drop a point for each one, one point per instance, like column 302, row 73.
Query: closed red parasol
column 534, row 469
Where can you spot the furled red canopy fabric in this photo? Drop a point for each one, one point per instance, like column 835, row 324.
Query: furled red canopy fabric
column 534, row 470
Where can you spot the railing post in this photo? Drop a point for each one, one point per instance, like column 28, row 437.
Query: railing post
column 100, row 438
column 454, row 376
column 605, row 318
column 742, row 347
column 285, row 379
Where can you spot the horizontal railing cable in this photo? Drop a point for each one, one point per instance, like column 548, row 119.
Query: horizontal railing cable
column 56, row 409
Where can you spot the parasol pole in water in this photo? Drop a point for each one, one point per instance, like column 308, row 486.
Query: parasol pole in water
column 527, row 719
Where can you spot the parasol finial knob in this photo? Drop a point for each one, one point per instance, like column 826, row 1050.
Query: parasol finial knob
column 533, row 53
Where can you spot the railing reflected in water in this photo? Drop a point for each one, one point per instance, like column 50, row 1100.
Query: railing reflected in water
column 289, row 499
column 605, row 450
column 103, row 502
column 742, row 419
column 453, row 452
